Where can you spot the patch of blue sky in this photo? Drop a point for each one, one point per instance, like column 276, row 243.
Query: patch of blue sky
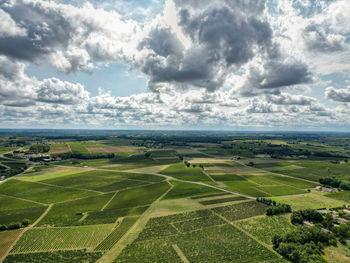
column 116, row 78
column 140, row 10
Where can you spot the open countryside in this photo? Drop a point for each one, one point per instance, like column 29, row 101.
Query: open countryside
column 174, row 197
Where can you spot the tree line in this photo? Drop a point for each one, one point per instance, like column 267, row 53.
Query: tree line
column 276, row 208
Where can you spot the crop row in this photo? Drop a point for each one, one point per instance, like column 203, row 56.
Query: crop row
column 6, row 240
column 45, row 239
column 241, row 210
column 67, row 256
column 110, row 216
column 171, row 225
column 117, row 234
column 222, row 200
column 222, row 243
column 8, row 217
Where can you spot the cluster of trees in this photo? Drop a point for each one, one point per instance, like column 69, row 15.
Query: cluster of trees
column 303, row 245
column 298, row 217
column 39, row 148
column 13, row 226
column 276, row 208
column 343, row 232
column 85, row 156
column 279, row 209
column 332, row 182
column 14, row 168
column 328, row 154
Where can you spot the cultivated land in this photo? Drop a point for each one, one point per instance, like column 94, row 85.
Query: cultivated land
column 165, row 197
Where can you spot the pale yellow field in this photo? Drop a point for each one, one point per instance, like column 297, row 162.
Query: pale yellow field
column 313, row 200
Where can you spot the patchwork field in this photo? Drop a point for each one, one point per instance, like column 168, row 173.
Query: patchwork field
column 265, row 228
column 313, row 200
column 194, row 237
column 7, row 239
column 164, row 199
column 59, row 238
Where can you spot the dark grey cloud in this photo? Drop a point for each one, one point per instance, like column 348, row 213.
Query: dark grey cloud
column 229, row 32
column 10, row 70
column 224, row 36
column 46, row 30
column 282, row 74
column 339, row 95
column 275, row 74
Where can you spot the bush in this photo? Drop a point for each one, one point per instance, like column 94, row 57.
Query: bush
column 25, row 223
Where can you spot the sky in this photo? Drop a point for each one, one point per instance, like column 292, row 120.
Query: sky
column 269, row 65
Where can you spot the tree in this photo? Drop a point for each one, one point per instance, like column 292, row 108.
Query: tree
column 343, row 231
column 328, row 221
column 25, row 222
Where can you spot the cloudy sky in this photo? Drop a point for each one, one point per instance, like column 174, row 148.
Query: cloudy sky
column 175, row 64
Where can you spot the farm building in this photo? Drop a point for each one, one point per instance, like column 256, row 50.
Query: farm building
column 324, row 189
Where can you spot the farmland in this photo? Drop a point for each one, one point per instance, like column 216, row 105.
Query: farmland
column 59, row 238
column 173, row 198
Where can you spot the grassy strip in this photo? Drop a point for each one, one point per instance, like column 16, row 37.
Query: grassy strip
column 208, row 195
column 222, row 200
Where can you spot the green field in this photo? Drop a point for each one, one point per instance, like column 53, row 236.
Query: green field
column 139, row 196
column 47, row 174
column 203, row 245
column 117, row 234
column 9, row 203
column 311, row 170
column 166, row 197
column 43, row 193
column 77, row 147
column 181, row 190
column 65, row 256
column 8, row 217
column 222, row 200
column 265, row 228
column 241, row 210
column 182, row 172
column 72, row 212
column 58, row 238
column 313, row 200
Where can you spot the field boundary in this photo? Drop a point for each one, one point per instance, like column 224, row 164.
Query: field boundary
column 109, row 201
column 246, row 233
column 23, row 199
column 180, row 253
column 127, row 239
column 27, row 228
